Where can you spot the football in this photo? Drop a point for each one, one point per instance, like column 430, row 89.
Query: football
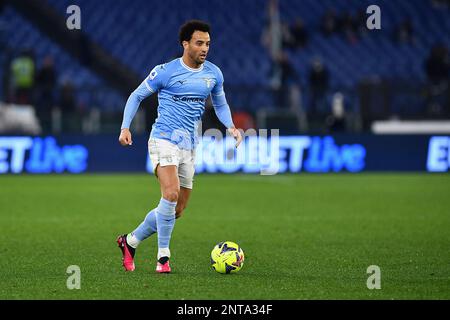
column 227, row 257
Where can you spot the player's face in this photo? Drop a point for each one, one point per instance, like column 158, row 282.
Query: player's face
column 197, row 48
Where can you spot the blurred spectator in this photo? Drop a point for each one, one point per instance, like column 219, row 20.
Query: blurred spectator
column 437, row 67
column 349, row 27
column 243, row 120
column 329, row 23
column 318, row 87
column 67, row 98
column 22, row 77
column 45, row 92
column 288, row 77
column 67, row 104
column 299, row 33
column 404, row 33
column 85, row 47
column 336, row 121
column 288, row 73
column 288, row 40
column 272, row 36
column 272, row 39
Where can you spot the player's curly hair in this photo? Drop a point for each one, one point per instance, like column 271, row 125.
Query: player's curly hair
column 188, row 28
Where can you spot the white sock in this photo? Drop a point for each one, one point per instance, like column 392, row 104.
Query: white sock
column 163, row 252
column 132, row 240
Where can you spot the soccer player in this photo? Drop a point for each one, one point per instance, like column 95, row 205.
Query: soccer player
column 183, row 85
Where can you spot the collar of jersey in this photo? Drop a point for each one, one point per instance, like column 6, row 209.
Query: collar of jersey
column 189, row 68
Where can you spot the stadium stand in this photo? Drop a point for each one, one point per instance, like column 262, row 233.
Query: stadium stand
column 140, row 34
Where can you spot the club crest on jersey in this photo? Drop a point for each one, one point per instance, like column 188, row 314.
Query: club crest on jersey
column 208, row 82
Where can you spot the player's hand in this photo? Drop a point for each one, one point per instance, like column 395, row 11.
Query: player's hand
column 236, row 135
column 125, row 137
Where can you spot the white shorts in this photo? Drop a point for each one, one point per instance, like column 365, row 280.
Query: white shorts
column 164, row 153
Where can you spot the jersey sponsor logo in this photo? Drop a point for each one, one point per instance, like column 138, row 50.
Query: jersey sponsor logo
column 188, row 98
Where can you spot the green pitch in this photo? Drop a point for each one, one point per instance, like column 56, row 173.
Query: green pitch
column 304, row 237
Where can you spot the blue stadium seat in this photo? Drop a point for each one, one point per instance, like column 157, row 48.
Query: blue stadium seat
column 141, row 34
column 25, row 35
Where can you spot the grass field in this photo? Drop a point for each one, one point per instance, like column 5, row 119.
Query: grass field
column 304, row 236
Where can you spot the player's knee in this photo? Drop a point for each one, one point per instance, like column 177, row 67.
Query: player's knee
column 171, row 195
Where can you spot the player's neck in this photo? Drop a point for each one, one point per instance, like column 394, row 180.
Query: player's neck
column 190, row 63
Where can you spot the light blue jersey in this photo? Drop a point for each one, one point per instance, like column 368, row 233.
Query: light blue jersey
column 182, row 93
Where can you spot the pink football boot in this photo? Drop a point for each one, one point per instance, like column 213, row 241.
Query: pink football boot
column 127, row 253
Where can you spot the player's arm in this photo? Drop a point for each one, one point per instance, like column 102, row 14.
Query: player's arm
column 222, row 109
column 150, row 85
column 131, row 107
column 223, row 112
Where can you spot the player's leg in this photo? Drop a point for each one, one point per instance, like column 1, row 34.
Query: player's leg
column 148, row 226
column 165, row 217
column 162, row 153
column 176, row 185
column 186, row 171
column 129, row 242
column 156, row 148
column 169, row 189
column 183, row 199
